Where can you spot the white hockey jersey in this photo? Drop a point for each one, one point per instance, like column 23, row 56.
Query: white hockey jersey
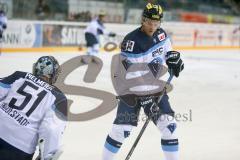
column 31, row 109
column 96, row 28
column 3, row 21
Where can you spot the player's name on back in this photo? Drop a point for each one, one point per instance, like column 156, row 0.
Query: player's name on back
column 14, row 114
column 39, row 82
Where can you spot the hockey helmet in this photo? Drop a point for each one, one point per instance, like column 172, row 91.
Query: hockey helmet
column 47, row 66
column 3, row 8
column 102, row 13
column 153, row 11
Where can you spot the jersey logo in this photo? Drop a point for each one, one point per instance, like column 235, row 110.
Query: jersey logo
column 161, row 37
column 155, row 66
column 157, row 52
column 126, row 134
column 172, row 127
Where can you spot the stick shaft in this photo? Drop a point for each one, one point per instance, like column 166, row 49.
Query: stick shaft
column 41, row 149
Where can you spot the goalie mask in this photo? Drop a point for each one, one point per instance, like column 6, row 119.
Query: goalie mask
column 47, row 66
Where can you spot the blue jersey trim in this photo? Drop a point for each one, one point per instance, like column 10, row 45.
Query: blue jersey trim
column 111, row 148
column 5, row 85
column 170, row 148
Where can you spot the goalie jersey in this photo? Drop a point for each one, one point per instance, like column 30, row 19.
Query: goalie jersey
column 31, row 109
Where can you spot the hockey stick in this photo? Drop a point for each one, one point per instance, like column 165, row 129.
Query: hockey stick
column 147, row 121
column 41, row 150
column 57, row 155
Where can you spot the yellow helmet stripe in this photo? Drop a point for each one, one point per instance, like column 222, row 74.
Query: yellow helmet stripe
column 149, row 6
column 160, row 9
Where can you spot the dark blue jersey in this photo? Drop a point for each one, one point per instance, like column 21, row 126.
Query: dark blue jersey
column 144, row 62
column 137, row 42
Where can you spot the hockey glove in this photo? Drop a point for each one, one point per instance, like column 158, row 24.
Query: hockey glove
column 4, row 26
column 1, row 33
column 174, row 62
column 112, row 34
column 150, row 106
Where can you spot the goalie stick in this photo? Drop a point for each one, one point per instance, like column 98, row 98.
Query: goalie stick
column 41, row 151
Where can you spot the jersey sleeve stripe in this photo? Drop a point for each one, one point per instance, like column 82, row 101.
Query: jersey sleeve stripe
column 5, row 85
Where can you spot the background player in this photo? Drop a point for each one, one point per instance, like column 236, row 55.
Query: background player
column 31, row 108
column 92, row 33
column 147, row 44
column 3, row 23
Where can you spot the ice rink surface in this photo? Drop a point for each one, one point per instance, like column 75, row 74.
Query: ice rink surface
column 207, row 91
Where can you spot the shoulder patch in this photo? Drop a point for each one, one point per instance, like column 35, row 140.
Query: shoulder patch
column 161, row 36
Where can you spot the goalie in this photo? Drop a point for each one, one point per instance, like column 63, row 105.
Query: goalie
column 32, row 108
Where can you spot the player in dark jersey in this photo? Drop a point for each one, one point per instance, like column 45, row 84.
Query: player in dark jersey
column 150, row 45
column 32, row 108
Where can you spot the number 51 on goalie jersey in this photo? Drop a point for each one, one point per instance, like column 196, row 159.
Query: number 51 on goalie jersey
column 29, row 107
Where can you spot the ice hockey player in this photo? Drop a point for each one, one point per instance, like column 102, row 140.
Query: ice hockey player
column 3, row 23
column 92, row 34
column 32, row 108
column 148, row 43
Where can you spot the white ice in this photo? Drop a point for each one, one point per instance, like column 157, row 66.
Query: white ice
column 209, row 86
